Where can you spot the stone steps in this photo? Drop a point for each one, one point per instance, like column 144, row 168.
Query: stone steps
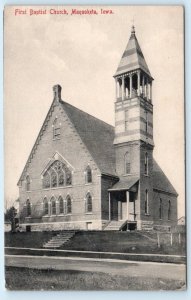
column 147, row 225
column 114, row 225
column 60, row 239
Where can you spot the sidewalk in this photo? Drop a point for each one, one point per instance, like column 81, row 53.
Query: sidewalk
column 163, row 258
column 109, row 266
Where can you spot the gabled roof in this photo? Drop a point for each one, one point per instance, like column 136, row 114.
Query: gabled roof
column 97, row 136
column 124, row 183
column 160, row 181
column 132, row 57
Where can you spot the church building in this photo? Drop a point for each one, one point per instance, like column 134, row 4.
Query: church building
column 85, row 174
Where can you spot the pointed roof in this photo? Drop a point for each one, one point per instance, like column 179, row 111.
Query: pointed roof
column 132, row 57
column 97, row 136
column 160, row 180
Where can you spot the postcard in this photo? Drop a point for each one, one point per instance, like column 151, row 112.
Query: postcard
column 94, row 148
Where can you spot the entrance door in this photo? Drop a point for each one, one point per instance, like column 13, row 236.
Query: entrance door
column 122, row 210
column 89, row 225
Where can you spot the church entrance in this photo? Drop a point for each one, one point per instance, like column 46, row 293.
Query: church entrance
column 122, row 210
column 118, row 209
column 122, row 206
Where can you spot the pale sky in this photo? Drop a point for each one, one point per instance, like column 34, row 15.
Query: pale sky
column 81, row 53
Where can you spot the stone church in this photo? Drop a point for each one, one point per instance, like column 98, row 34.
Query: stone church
column 83, row 173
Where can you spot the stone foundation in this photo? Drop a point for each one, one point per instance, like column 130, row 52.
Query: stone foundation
column 145, row 225
column 55, row 226
column 162, row 228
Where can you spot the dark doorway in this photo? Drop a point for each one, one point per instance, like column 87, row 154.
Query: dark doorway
column 132, row 226
column 28, row 228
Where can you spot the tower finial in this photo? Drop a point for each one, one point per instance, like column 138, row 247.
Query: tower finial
column 132, row 27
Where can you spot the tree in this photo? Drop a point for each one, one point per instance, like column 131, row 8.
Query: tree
column 10, row 216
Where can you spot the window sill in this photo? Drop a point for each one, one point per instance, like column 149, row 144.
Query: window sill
column 27, row 217
column 89, row 213
column 147, row 214
column 58, row 187
column 89, row 183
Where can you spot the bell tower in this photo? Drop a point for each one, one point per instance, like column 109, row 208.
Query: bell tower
column 133, row 106
column 134, row 125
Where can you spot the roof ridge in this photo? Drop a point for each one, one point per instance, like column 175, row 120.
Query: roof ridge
column 158, row 170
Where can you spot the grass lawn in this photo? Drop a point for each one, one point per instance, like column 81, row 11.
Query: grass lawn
column 125, row 242
column 33, row 279
column 28, row 239
column 112, row 241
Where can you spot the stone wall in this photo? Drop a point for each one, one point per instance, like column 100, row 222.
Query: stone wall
column 121, row 150
column 56, row 226
column 165, row 197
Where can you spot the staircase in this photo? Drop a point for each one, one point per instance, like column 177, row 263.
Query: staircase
column 114, row 225
column 60, row 239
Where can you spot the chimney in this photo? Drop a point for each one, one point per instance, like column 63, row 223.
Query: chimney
column 57, row 92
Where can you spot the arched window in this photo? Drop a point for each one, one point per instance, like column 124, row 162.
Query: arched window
column 46, row 180
column 61, row 205
column 45, row 202
column 61, row 178
column 68, row 176
column 68, row 205
column 57, row 175
column 56, row 129
column 28, row 208
column 127, row 163
column 54, row 182
column 169, row 210
column 127, row 87
column 88, row 203
column 146, row 121
column 160, row 210
column 146, row 164
column 146, row 203
column 134, row 85
column 88, row 175
column 28, row 183
column 119, row 88
column 53, row 206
